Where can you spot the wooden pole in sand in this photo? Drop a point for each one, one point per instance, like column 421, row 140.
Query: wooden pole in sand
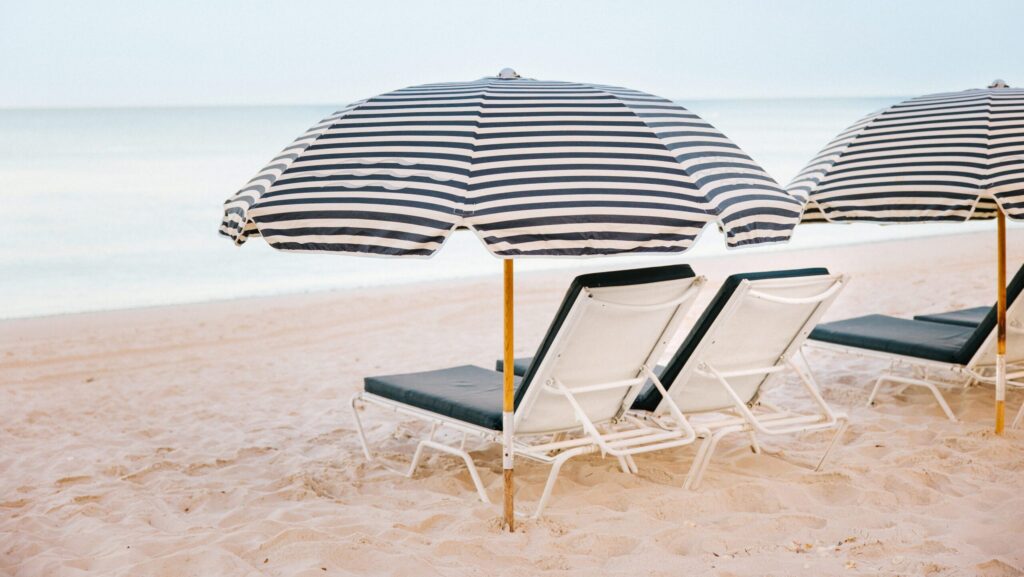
column 1001, row 323
column 508, row 403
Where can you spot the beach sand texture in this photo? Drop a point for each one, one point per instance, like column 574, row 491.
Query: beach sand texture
column 216, row 439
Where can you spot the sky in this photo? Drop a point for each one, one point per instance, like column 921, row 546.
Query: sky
column 235, row 52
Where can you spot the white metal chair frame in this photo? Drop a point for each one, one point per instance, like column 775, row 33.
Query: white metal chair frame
column 966, row 375
column 622, row 436
column 755, row 416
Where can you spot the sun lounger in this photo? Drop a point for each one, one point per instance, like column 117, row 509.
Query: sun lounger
column 933, row 346
column 608, row 332
column 971, row 317
column 751, row 331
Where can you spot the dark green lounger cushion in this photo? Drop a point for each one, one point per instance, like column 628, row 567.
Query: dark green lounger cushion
column 468, row 393
column 965, row 317
column 922, row 339
column 518, row 367
column 919, row 339
column 977, row 316
column 473, row 394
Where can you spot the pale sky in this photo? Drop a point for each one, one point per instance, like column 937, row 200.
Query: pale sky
column 152, row 53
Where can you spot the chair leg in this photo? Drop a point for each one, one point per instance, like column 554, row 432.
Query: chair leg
column 755, row 447
column 831, row 444
column 1019, row 417
column 359, row 427
column 628, row 465
column 807, row 366
column 708, row 447
column 556, row 467
column 466, row 458
column 874, row 390
column 695, row 465
column 919, row 382
column 715, row 439
column 423, row 444
column 624, row 463
column 416, row 456
column 940, row 399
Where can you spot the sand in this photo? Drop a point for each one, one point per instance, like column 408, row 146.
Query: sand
column 216, row 439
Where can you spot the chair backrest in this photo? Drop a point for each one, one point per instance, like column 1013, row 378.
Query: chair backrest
column 980, row 349
column 609, row 326
column 756, row 322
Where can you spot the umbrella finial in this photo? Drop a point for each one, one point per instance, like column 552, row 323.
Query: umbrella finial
column 508, row 74
column 999, row 83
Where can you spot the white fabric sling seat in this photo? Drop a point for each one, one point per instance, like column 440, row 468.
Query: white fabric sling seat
column 929, row 351
column 573, row 400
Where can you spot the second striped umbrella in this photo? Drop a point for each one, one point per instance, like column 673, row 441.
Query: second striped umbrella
column 948, row 157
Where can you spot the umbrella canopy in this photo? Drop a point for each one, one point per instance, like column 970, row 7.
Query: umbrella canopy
column 943, row 157
column 535, row 168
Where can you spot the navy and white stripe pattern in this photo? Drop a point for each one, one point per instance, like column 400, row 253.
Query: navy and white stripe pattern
column 942, row 157
column 534, row 167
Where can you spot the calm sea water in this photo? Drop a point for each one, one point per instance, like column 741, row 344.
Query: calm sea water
column 117, row 208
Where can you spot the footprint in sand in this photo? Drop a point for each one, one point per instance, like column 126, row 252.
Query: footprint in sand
column 997, row 568
column 609, row 545
column 16, row 504
column 67, row 481
column 83, row 499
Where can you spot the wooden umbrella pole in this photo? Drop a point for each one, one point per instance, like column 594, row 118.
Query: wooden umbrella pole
column 1001, row 324
column 508, row 403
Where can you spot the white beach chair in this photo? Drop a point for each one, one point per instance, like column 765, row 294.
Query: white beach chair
column 752, row 330
column 598, row 353
column 933, row 350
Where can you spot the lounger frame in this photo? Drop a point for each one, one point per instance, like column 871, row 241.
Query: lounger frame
column 924, row 372
column 621, row 436
column 751, row 415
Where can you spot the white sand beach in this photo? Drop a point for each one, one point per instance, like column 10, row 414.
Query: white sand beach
column 216, row 439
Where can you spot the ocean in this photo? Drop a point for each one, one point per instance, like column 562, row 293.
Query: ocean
column 117, row 208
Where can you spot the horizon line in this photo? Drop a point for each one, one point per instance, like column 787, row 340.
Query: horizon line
column 155, row 106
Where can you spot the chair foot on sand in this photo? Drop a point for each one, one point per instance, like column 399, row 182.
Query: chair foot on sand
column 430, row 443
column 556, row 468
column 707, row 449
column 703, row 458
column 628, row 465
column 843, row 423
column 755, row 447
column 466, row 458
column 354, row 403
column 915, row 382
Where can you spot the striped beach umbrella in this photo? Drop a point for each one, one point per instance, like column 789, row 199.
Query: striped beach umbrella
column 947, row 157
column 534, row 168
